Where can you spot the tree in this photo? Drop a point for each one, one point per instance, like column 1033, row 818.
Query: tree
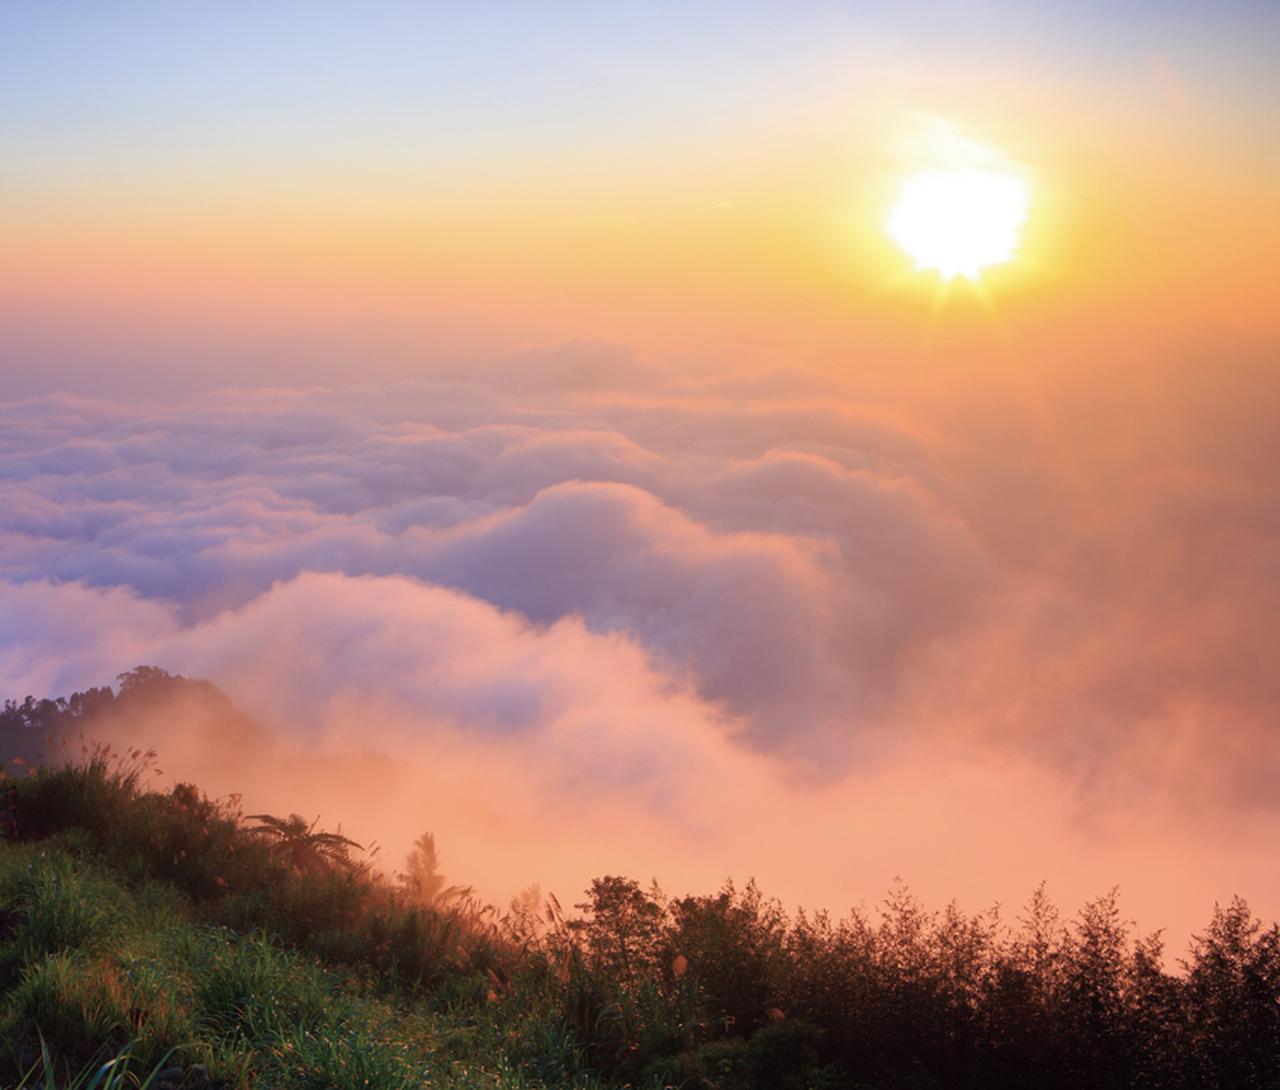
column 141, row 677
column 1233, row 993
column 298, row 842
column 1093, row 1002
column 422, row 879
column 623, row 928
column 732, row 943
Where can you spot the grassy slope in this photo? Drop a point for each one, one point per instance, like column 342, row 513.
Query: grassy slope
column 154, row 924
column 161, row 928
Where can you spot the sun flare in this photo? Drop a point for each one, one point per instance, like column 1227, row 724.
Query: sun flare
column 958, row 222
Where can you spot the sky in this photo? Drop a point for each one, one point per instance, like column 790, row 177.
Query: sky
column 525, row 406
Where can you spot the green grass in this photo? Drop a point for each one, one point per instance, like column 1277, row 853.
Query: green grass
column 109, row 988
column 142, row 930
column 112, row 1074
column 54, row 905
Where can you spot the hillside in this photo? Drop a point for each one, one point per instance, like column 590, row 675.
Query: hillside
column 193, row 945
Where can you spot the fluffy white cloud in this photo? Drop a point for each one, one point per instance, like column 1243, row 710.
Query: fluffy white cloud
column 788, row 586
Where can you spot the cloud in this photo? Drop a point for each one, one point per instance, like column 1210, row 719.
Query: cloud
column 54, row 638
column 691, row 618
column 787, row 586
column 550, row 752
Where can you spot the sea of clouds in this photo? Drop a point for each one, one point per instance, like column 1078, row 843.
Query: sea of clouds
column 579, row 614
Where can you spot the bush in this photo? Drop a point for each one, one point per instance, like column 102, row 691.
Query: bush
column 782, row 1056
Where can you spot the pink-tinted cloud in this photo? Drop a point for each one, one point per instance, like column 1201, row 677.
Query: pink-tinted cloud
column 682, row 625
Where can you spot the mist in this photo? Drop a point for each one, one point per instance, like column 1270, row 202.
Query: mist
column 580, row 613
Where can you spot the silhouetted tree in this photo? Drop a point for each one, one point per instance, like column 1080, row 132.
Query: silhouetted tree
column 1233, row 992
column 305, row 848
column 422, row 879
column 731, row 942
column 1093, row 1001
column 143, row 677
column 622, row 928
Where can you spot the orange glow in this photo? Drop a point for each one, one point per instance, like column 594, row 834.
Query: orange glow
column 768, row 252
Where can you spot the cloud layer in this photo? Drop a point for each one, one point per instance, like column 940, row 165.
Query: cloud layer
column 581, row 602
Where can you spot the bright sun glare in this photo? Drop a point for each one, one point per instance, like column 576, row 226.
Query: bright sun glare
column 957, row 222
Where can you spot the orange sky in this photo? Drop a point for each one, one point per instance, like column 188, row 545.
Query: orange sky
column 764, row 244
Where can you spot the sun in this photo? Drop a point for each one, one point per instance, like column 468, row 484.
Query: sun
column 959, row 221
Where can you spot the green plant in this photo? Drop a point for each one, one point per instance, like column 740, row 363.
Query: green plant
column 111, row 1074
column 59, row 905
column 299, row 843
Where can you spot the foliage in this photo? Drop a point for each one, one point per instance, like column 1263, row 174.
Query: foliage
column 141, row 927
column 304, row 848
column 422, row 880
column 622, row 928
column 114, row 1073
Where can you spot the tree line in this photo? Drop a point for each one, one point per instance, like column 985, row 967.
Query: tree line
column 714, row 991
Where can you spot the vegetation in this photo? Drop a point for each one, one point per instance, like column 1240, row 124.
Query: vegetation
column 161, row 938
